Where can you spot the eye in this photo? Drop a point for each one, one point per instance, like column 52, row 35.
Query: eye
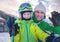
column 42, row 12
column 24, row 14
column 36, row 11
column 27, row 14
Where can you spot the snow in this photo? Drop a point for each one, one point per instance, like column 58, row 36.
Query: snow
column 4, row 37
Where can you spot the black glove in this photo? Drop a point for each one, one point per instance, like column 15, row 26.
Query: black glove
column 10, row 24
column 53, row 39
column 55, row 18
column 16, row 27
column 57, row 39
column 50, row 38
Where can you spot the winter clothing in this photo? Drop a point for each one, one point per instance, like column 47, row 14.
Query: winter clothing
column 41, row 7
column 12, row 27
column 25, row 7
column 46, row 27
column 42, row 24
column 29, row 32
column 55, row 18
column 53, row 38
column 10, row 23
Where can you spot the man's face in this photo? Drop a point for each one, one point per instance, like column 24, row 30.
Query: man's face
column 27, row 15
column 39, row 15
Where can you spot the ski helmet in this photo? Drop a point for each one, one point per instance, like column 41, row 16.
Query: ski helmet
column 25, row 7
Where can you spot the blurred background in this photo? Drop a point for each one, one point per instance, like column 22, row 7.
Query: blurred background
column 10, row 7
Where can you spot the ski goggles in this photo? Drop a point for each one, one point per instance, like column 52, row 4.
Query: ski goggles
column 27, row 6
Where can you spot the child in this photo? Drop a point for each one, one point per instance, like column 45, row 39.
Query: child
column 28, row 30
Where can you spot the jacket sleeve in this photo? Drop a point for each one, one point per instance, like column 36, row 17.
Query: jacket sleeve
column 48, row 27
column 55, row 29
column 40, row 34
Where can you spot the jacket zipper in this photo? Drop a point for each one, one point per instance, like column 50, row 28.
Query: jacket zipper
column 27, row 33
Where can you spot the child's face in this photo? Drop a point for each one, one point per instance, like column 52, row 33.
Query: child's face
column 27, row 15
column 39, row 15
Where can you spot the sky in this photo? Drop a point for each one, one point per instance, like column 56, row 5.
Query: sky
column 11, row 6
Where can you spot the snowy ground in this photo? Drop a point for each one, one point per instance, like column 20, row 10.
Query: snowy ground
column 4, row 37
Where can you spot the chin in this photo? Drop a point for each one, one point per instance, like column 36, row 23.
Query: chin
column 38, row 19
